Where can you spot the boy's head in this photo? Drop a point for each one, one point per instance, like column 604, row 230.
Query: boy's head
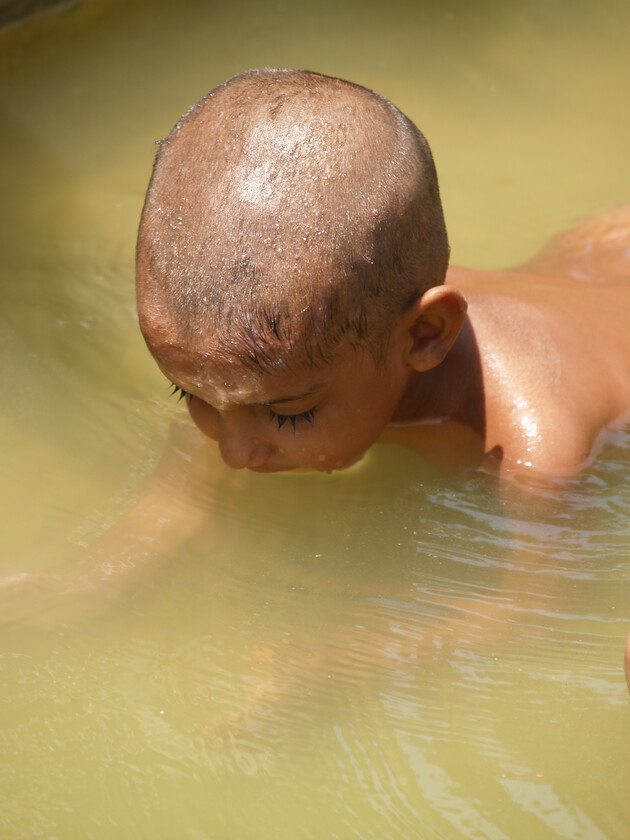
column 292, row 224
column 287, row 211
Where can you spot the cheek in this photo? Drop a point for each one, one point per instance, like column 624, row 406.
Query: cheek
column 335, row 448
column 204, row 416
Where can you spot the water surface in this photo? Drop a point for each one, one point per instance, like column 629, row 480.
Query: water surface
column 387, row 653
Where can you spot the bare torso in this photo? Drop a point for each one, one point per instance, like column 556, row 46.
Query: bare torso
column 553, row 355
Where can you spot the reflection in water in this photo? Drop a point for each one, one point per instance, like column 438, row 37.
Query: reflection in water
column 384, row 653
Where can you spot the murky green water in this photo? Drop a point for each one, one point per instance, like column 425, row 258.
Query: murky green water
column 382, row 654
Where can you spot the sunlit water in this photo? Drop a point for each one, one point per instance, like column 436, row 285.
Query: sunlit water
column 386, row 653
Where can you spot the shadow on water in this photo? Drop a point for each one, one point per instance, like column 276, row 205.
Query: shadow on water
column 14, row 11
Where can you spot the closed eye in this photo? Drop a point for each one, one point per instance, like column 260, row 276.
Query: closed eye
column 293, row 419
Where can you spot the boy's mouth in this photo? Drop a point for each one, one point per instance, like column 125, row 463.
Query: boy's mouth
column 339, row 467
column 266, row 468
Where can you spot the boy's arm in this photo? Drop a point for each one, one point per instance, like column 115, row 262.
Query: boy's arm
column 166, row 514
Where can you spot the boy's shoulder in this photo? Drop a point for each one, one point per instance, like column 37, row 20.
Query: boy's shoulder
column 554, row 357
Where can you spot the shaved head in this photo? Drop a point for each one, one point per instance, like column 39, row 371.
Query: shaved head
column 288, row 211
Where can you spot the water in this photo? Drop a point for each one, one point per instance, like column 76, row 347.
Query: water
column 387, row 653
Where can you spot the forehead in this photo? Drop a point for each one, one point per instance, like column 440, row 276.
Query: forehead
column 223, row 368
column 223, row 377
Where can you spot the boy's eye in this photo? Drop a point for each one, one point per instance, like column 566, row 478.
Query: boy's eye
column 175, row 390
column 293, row 419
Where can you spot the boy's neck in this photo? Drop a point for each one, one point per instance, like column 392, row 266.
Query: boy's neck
column 453, row 390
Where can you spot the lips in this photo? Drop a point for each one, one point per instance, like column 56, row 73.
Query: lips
column 268, row 468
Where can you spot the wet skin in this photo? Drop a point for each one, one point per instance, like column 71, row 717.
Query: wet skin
column 524, row 383
column 319, row 419
column 298, row 417
column 305, row 417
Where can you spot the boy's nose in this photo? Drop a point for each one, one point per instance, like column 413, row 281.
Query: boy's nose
column 239, row 447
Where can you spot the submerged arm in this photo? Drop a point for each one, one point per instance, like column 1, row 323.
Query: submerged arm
column 165, row 515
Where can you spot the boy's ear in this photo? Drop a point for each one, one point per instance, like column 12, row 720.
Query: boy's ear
column 432, row 324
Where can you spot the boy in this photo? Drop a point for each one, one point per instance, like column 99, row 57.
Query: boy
column 292, row 283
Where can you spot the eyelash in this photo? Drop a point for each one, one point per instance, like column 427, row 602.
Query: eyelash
column 175, row 390
column 281, row 419
column 293, row 419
